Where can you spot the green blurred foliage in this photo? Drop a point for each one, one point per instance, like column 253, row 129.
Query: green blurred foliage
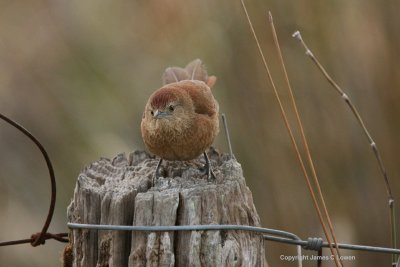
column 78, row 74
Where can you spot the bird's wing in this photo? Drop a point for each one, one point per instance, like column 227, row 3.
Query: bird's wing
column 203, row 100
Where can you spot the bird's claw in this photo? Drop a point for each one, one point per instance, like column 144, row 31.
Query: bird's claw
column 208, row 170
column 157, row 173
column 211, row 175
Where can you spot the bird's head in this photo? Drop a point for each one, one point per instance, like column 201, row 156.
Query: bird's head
column 167, row 104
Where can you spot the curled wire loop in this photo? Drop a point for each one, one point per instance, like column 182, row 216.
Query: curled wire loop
column 40, row 237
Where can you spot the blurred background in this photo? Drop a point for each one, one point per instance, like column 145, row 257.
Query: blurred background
column 78, row 74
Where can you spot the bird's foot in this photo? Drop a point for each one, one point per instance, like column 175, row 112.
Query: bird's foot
column 157, row 173
column 207, row 169
column 211, row 175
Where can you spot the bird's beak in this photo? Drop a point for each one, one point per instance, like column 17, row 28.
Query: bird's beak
column 159, row 114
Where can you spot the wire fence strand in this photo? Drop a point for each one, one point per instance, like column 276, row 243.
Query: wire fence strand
column 284, row 236
column 268, row 234
column 40, row 237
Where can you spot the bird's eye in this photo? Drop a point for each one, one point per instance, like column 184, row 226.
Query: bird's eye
column 152, row 113
column 171, row 108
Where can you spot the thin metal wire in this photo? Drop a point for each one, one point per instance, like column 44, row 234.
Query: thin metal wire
column 285, row 237
column 304, row 243
column 38, row 238
column 61, row 237
column 168, row 228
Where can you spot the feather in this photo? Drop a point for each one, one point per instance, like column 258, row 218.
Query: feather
column 162, row 98
column 211, row 81
column 174, row 74
column 197, row 70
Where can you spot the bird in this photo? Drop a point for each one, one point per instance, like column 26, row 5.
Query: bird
column 180, row 120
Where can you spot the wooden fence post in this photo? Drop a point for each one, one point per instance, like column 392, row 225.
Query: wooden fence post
column 119, row 192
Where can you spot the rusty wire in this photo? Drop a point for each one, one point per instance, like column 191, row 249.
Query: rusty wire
column 39, row 238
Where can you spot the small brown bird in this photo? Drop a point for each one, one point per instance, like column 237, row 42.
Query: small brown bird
column 180, row 120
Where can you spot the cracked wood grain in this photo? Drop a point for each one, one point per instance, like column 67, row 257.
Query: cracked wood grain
column 119, row 191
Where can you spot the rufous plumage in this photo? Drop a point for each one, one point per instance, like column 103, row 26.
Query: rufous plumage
column 180, row 120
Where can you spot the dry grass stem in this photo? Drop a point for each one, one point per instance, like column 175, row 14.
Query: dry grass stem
column 372, row 143
column 303, row 136
column 287, row 125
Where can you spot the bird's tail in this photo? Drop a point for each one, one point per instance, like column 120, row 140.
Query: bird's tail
column 195, row 70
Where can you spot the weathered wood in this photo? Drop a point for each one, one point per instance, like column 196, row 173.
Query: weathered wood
column 119, row 191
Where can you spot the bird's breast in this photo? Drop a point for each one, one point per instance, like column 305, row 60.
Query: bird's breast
column 180, row 139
